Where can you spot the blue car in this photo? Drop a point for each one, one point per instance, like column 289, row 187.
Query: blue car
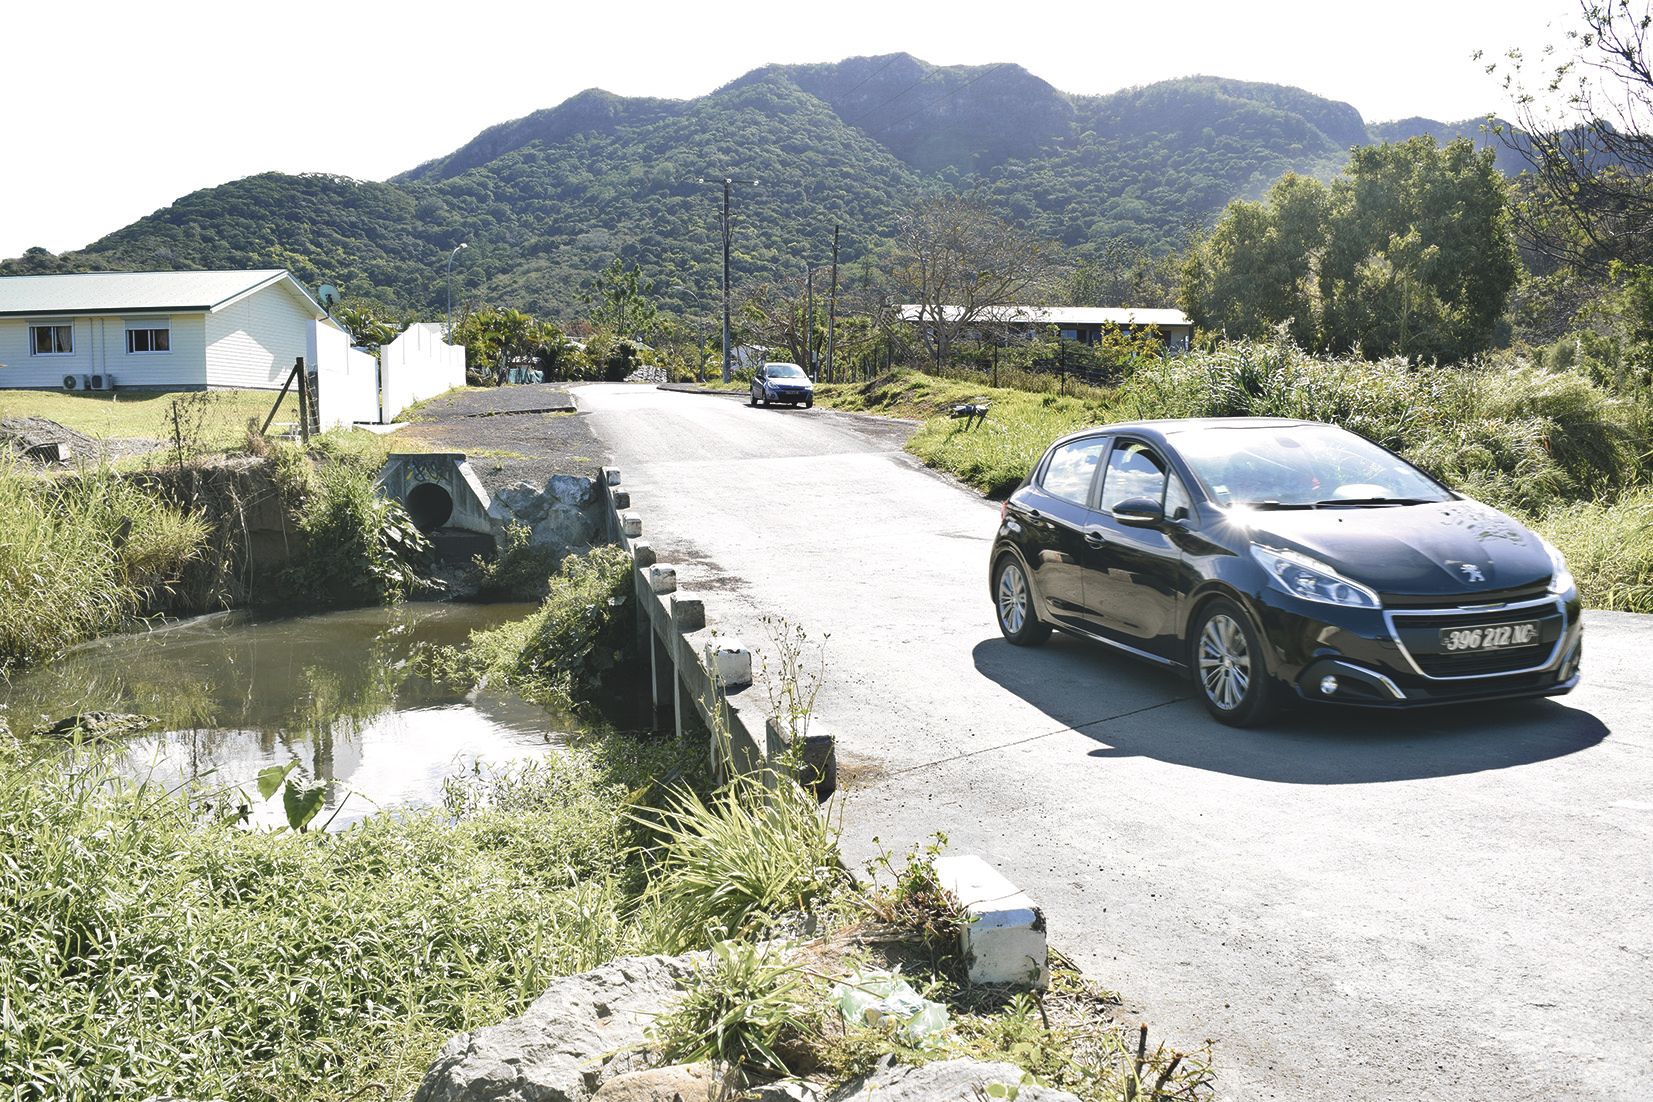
column 782, row 383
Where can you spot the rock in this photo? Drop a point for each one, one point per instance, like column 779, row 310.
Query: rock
column 565, row 527
column 584, row 1031
column 791, row 1090
column 570, row 489
column 675, row 1083
column 944, row 1081
column 522, row 501
column 98, row 724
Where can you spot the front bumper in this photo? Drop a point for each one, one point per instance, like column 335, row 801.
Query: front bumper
column 1391, row 658
column 789, row 395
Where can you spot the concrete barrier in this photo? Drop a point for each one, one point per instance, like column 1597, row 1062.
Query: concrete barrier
column 694, row 673
column 1004, row 940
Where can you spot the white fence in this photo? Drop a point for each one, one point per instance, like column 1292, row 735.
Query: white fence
column 417, row 365
column 347, row 379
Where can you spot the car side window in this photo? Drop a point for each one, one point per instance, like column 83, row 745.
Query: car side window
column 1133, row 471
column 1178, row 505
column 1071, row 469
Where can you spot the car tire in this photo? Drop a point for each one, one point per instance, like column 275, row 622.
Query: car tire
column 1230, row 670
column 752, row 398
column 763, row 396
column 809, row 403
column 1013, row 605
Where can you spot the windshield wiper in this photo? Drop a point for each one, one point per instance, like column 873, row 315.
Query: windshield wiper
column 1373, row 501
column 1274, row 504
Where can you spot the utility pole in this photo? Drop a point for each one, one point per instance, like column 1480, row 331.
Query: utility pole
column 809, row 321
column 727, row 373
column 832, row 310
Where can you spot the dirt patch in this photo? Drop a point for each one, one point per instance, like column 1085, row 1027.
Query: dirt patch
column 507, row 435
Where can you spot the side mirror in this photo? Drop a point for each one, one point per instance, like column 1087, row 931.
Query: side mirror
column 1139, row 512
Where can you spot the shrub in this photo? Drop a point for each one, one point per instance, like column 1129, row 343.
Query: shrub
column 570, row 652
column 1609, row 549
column 522, row 572
column 359, row 548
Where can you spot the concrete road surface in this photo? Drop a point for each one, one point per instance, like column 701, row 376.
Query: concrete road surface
column 1449, row 904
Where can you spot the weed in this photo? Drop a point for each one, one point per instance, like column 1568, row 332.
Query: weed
column 522, row 572
column 359, row 548
column 748, row 1007
column 735, row 862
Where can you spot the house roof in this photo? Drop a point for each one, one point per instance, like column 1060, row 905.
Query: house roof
column 137, row 292
column 1062, row 315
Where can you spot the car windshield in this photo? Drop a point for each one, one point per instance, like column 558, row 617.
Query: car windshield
column 1300, row 467
column 783, row 371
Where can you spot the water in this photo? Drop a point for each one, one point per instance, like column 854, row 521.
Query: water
column 236, row 693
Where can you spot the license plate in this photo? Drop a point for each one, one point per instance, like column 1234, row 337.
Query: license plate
column 1490, row 637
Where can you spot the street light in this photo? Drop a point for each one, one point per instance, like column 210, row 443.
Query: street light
column 456, row 248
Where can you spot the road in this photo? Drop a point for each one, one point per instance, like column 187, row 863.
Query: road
column 1452, row 904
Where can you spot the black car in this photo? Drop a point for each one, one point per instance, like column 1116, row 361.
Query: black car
column 1275, row 557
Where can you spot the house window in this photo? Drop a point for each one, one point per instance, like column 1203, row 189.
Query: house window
column 51, row 340
column 148, row 338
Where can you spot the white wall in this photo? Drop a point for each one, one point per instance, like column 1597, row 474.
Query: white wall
column 100, row 349
column 253, row 342
column 347, row 379
column 417, row 365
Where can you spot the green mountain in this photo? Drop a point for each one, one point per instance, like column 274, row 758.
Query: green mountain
column 547, row 200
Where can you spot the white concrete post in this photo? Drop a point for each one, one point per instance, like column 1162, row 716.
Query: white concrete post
column 730, row 662
column 1004, row 941
column 663, row 578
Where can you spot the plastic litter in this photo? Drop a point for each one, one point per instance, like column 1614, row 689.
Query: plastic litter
column 886, row 1001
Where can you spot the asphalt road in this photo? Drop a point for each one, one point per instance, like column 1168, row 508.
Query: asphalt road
column 1451, row 904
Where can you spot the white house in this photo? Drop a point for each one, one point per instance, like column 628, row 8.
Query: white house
column 207, row 330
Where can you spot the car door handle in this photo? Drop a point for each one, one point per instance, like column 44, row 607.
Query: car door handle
column 1094, row 537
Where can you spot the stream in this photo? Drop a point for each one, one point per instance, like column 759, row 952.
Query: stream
column 237, row 692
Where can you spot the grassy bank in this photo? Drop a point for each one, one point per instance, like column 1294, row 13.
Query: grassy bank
column 142, row 415
column 1551, row 447
column 84, row 553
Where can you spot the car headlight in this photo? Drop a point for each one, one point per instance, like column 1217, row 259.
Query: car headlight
column 1313, row 580
column 1561, row 579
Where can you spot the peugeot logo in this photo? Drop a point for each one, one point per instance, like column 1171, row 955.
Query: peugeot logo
column 1472, row 573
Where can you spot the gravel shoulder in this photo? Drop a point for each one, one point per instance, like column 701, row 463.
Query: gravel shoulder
column 511, row 433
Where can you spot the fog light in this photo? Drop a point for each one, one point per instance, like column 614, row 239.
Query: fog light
column 1328, row 685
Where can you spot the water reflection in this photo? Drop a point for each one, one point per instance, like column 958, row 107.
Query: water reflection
column 335, row 692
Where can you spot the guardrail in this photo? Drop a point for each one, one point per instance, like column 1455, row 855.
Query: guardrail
column 695, row 673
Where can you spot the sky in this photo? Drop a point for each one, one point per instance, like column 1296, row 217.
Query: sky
column 114, row 109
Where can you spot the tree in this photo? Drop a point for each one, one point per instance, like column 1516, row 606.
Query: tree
column 619, row 300
column 777, row 317
column 1420, row 257
column 368, row 326
column 958, row 261
column 494, row 338
column 1587, row 137
column 1260, row 264
column 1409, row 253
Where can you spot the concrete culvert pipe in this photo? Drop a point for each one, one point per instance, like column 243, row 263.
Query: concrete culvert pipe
column 429, row 505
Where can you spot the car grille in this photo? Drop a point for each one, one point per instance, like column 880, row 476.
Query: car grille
column 1420, row 635
column 1456, row 603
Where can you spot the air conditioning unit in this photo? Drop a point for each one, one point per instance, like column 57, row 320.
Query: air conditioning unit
column 95, row 383
column 71, row 382
column 109, row 382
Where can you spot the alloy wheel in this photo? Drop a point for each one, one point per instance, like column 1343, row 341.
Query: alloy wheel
column 1225, row 662
column 1012, row 598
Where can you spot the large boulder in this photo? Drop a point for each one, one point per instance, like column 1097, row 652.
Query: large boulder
column 584, row 1031
column 571, row 489
column 944, row 1081
column 565, row 527
column 521, row 502
column 673, row 1083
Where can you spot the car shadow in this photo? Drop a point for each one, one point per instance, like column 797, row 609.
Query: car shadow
column 1136, row 710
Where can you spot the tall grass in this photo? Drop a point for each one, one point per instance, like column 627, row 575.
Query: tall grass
column 1550, row 446
column 152, row 948
column 79, row 556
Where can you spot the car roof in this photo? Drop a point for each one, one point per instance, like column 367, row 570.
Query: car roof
column 1158, row 430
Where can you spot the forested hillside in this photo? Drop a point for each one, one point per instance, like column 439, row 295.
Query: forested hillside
column 547, row 200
